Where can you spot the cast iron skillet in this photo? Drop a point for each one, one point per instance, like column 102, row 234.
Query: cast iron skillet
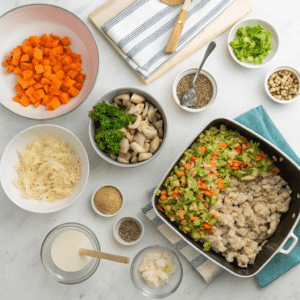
column 289, row 171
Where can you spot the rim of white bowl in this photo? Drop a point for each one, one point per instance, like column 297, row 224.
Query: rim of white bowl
column 88, row 94
column 22, row 132
column 210, row 78
column 116, row 230
column 246, row 65
column 287, row 68
column 99, row 212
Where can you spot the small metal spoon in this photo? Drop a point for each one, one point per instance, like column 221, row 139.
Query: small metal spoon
column 190, row 97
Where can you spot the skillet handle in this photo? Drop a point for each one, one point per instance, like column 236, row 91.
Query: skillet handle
column 294, row 243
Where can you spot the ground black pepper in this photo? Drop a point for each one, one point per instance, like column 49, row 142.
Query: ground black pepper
column 129, row 230
column 203, row 88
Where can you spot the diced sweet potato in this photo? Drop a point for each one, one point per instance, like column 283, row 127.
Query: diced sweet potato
column 53, row 104
column 38, row 53
column 64, row 98
column 73, row 92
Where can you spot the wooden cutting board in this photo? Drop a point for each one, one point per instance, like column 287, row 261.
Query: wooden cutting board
column 229, row 17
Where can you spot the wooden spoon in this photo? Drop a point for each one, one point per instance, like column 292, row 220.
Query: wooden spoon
column 107, row 256
column 179, row 24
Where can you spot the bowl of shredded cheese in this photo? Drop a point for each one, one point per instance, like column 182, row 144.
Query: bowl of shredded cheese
column 44, row 168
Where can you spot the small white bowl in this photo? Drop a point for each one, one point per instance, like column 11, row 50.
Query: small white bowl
column 99, row 212
column 255, row 22
column 116, row 230
column 194, row 71
column 286, row 68
column 10, row 158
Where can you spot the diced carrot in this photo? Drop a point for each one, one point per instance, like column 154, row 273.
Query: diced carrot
column 159, row 207
column 45, row 62
column 53, row 104
column 45, row 100
column 35, row 61
column 53, row 61
column 17, row 98
column 175, row 194
column 65, row 41
column 216, row 152
column 48, row 68
column 64, row 89
column 60, row 74
column 57, row 67
column 10, row 69
column 59, row 50
column 18, row 87
column 67, row 60
column 46, row 88
column 45, row 81
column 25, row 57
column 182, row 183
column 44, row 38
column 194, row 218
column 39, row 69
column 80, row 77
column 38, row 77
column 27, row 83
column 68, row 82
column 27, row 49
column 38, row 85
column 67, row 50
column 39, row 94
column 163, row 197
column 200, row 196
column 38, row 53
column 54, row 91
column 193, row 158
column 203, row 149
column 72, row 74
column 55, row 43
column 25, row 100
column 207, row 226
column 56, row 82
column 24, row 66
column 180, row 173
column 64, row 98
column 49, row 75
column 78, row 85
column 27, row 74
column 222, row 145
column 34, row 41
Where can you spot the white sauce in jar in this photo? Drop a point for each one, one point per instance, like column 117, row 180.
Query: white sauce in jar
column 65, row 251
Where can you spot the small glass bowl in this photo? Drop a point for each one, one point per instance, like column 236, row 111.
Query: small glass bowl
column 68, row 277
column 166, row 290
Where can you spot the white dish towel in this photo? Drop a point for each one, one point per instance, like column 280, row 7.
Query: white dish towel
column 143, row 29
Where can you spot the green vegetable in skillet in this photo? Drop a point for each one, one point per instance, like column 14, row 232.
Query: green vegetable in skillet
column 252, row 44
column 109, row 120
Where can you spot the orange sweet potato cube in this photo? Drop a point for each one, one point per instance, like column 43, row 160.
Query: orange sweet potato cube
column 39, row 69
column 60, row 74
column 56, row 82
column 53, row 104
column 45, row 100
column 69, row 82
column 73, row 92
column 64, row 98
column 38, row 53
column 25, row 57
column 39, row 94
column 65, row 41
column 27, row 74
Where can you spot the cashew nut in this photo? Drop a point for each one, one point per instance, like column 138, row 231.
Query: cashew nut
column 137, row 122
column 124, row 145
column 144, row 156
column 122, row 160
column 151, row 113
column 134, row 157
column 137, row 148
column 135, row 98
column 154, row 144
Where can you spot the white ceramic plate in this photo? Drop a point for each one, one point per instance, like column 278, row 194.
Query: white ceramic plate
column 10, row 158
column 255, row 22
column 25, row 21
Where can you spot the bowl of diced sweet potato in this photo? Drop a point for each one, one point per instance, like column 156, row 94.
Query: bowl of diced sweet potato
column 50, row 72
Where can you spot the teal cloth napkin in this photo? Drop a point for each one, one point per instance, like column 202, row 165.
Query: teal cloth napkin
column 258, row 120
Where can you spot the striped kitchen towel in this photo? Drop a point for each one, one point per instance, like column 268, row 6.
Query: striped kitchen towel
column 207, row 269
column 143, row 29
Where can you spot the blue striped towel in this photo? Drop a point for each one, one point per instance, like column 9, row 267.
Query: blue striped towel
column 143, row 29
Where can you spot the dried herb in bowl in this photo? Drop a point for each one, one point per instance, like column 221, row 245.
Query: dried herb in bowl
column 129, row 231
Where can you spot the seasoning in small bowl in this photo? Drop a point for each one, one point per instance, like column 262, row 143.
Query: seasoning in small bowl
column 128, row 230
column 205, row 87
column 107, row 201
column 283, row 84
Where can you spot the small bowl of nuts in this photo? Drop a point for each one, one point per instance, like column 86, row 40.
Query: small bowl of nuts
column 282, row 84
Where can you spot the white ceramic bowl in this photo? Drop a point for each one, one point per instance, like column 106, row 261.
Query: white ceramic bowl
column 10, row 158
column 116, row 230
column 36, row 19
column 99, row 212
column 252, row 22
column 287, row 68
column 108, row 98
column 194, row 71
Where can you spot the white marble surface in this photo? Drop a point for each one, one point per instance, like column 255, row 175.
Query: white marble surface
column 240, row 89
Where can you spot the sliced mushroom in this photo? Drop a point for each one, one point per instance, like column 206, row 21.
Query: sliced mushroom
column 133, row 157
column 151, row 113
column 122, row 160
column 126, row 103
column 147, row 147
column 142, row 123
column 113, row 156
column 124, row 130
column 160, row 141
column 145, row 112
column 124, row 145
column 130, row 110
column 125, row 156
column 144, row 156
column 140, row 138
column 135, row 98
column 137, row 148
column 158, row 124
column 154, row 144
column 138, row 120
column 129, row 137
column 121, row 97
column 160, row 133
column 132, row 131
column 135, row 109
column 154, row 120
column 158, row 116
column 149, row 131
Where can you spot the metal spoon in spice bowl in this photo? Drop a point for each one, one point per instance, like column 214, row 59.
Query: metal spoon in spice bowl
column 190, row 97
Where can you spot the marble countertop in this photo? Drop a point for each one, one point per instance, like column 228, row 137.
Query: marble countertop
column 240, row 89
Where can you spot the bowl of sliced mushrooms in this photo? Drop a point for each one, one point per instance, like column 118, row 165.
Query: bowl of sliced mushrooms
column 144, row 136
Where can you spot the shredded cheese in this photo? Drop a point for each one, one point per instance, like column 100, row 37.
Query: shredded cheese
column 49, row 170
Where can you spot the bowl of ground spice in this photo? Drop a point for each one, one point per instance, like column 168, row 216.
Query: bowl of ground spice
column 128, row 230
column 107, row 201
column 205, row 87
